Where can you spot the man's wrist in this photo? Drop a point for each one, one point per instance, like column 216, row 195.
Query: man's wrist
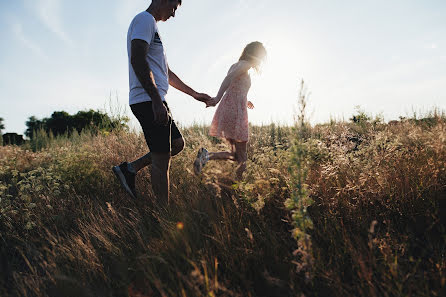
column 155, row 96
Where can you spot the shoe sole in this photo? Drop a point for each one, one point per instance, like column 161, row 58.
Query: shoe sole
column 122, row 180
column 197, row 164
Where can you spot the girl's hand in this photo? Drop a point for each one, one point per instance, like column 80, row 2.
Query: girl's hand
column 250, row 105
column 211, row 102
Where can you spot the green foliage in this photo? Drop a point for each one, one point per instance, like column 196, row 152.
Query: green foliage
column 361, row 117
column 40, row 139
column 80, row 170
column 300, row 199
column 2, row 126
column 22, row 194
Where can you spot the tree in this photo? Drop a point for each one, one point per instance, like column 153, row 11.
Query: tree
column 89, row 119
column 2, row 126
column 59, row 123
column 33, row 125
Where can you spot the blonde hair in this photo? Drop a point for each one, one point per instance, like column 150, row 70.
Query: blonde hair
column 255, row 53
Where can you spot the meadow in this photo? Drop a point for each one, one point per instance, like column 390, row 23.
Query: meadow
column 341, row 209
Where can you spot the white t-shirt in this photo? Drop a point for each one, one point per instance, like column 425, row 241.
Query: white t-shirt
column 144, row 27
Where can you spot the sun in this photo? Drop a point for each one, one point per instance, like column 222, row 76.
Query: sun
column 274, row 89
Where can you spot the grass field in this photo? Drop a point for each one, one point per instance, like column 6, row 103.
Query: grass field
column 342, row 209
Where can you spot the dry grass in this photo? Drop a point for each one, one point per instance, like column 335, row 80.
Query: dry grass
column 378, row 192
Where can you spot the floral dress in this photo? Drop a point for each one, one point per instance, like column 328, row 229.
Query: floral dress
column 231, row 117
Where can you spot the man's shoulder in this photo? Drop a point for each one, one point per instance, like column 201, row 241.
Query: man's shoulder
column 145, row 18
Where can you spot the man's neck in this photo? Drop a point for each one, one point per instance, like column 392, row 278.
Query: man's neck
column 153, row 10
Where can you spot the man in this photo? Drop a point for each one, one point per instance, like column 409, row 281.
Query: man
column 150, row 77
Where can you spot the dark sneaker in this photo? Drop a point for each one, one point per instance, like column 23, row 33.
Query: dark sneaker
column 201, row 160
column 126, row 178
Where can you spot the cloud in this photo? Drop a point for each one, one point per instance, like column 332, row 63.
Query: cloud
column 49, row 13
column 17, row 30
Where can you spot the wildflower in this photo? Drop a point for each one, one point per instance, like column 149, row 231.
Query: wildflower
column 30, row 225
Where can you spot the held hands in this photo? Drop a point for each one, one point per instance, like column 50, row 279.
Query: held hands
column 250, row 105
column 212, row 102
column 202, row 97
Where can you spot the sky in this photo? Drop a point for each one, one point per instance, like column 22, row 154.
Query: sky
column 387, row 57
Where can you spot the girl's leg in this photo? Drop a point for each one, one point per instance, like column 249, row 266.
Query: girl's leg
column 232, row 143
column 203, row 156
column 241, row 157
column 224, row 155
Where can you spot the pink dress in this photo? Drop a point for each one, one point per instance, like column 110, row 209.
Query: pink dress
column 231, row 117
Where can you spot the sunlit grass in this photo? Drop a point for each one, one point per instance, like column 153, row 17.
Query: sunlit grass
column 376, row 198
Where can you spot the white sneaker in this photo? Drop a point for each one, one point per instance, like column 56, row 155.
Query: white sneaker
column 201, row 160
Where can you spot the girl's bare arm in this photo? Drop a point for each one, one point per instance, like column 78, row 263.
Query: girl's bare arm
column 238, row 70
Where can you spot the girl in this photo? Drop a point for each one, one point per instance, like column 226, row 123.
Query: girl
column 231, row 117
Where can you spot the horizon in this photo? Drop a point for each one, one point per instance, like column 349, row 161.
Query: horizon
column 387, row 58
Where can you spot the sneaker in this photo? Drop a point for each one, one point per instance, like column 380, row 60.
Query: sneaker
column 126, row 178
column 201, row 160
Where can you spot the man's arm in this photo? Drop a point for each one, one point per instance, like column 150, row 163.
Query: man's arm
column 178, row 84
column 139, row 50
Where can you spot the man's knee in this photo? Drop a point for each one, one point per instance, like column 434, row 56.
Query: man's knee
column 177, row 146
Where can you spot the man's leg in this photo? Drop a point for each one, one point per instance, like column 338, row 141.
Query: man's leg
column 142, row 162
column 177, row 146
column 161, row 163
column 160, row 178
column 146, row 160
column 126, row 172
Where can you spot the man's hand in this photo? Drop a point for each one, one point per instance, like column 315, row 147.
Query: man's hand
column 250, row 105
column 160, row 115
column 202, row 97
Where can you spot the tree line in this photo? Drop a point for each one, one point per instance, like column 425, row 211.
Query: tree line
column 62, row 123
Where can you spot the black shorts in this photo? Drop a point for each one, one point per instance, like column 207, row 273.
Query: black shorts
column 158, row 138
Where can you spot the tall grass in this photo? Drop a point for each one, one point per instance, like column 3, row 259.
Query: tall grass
column 375, row 199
